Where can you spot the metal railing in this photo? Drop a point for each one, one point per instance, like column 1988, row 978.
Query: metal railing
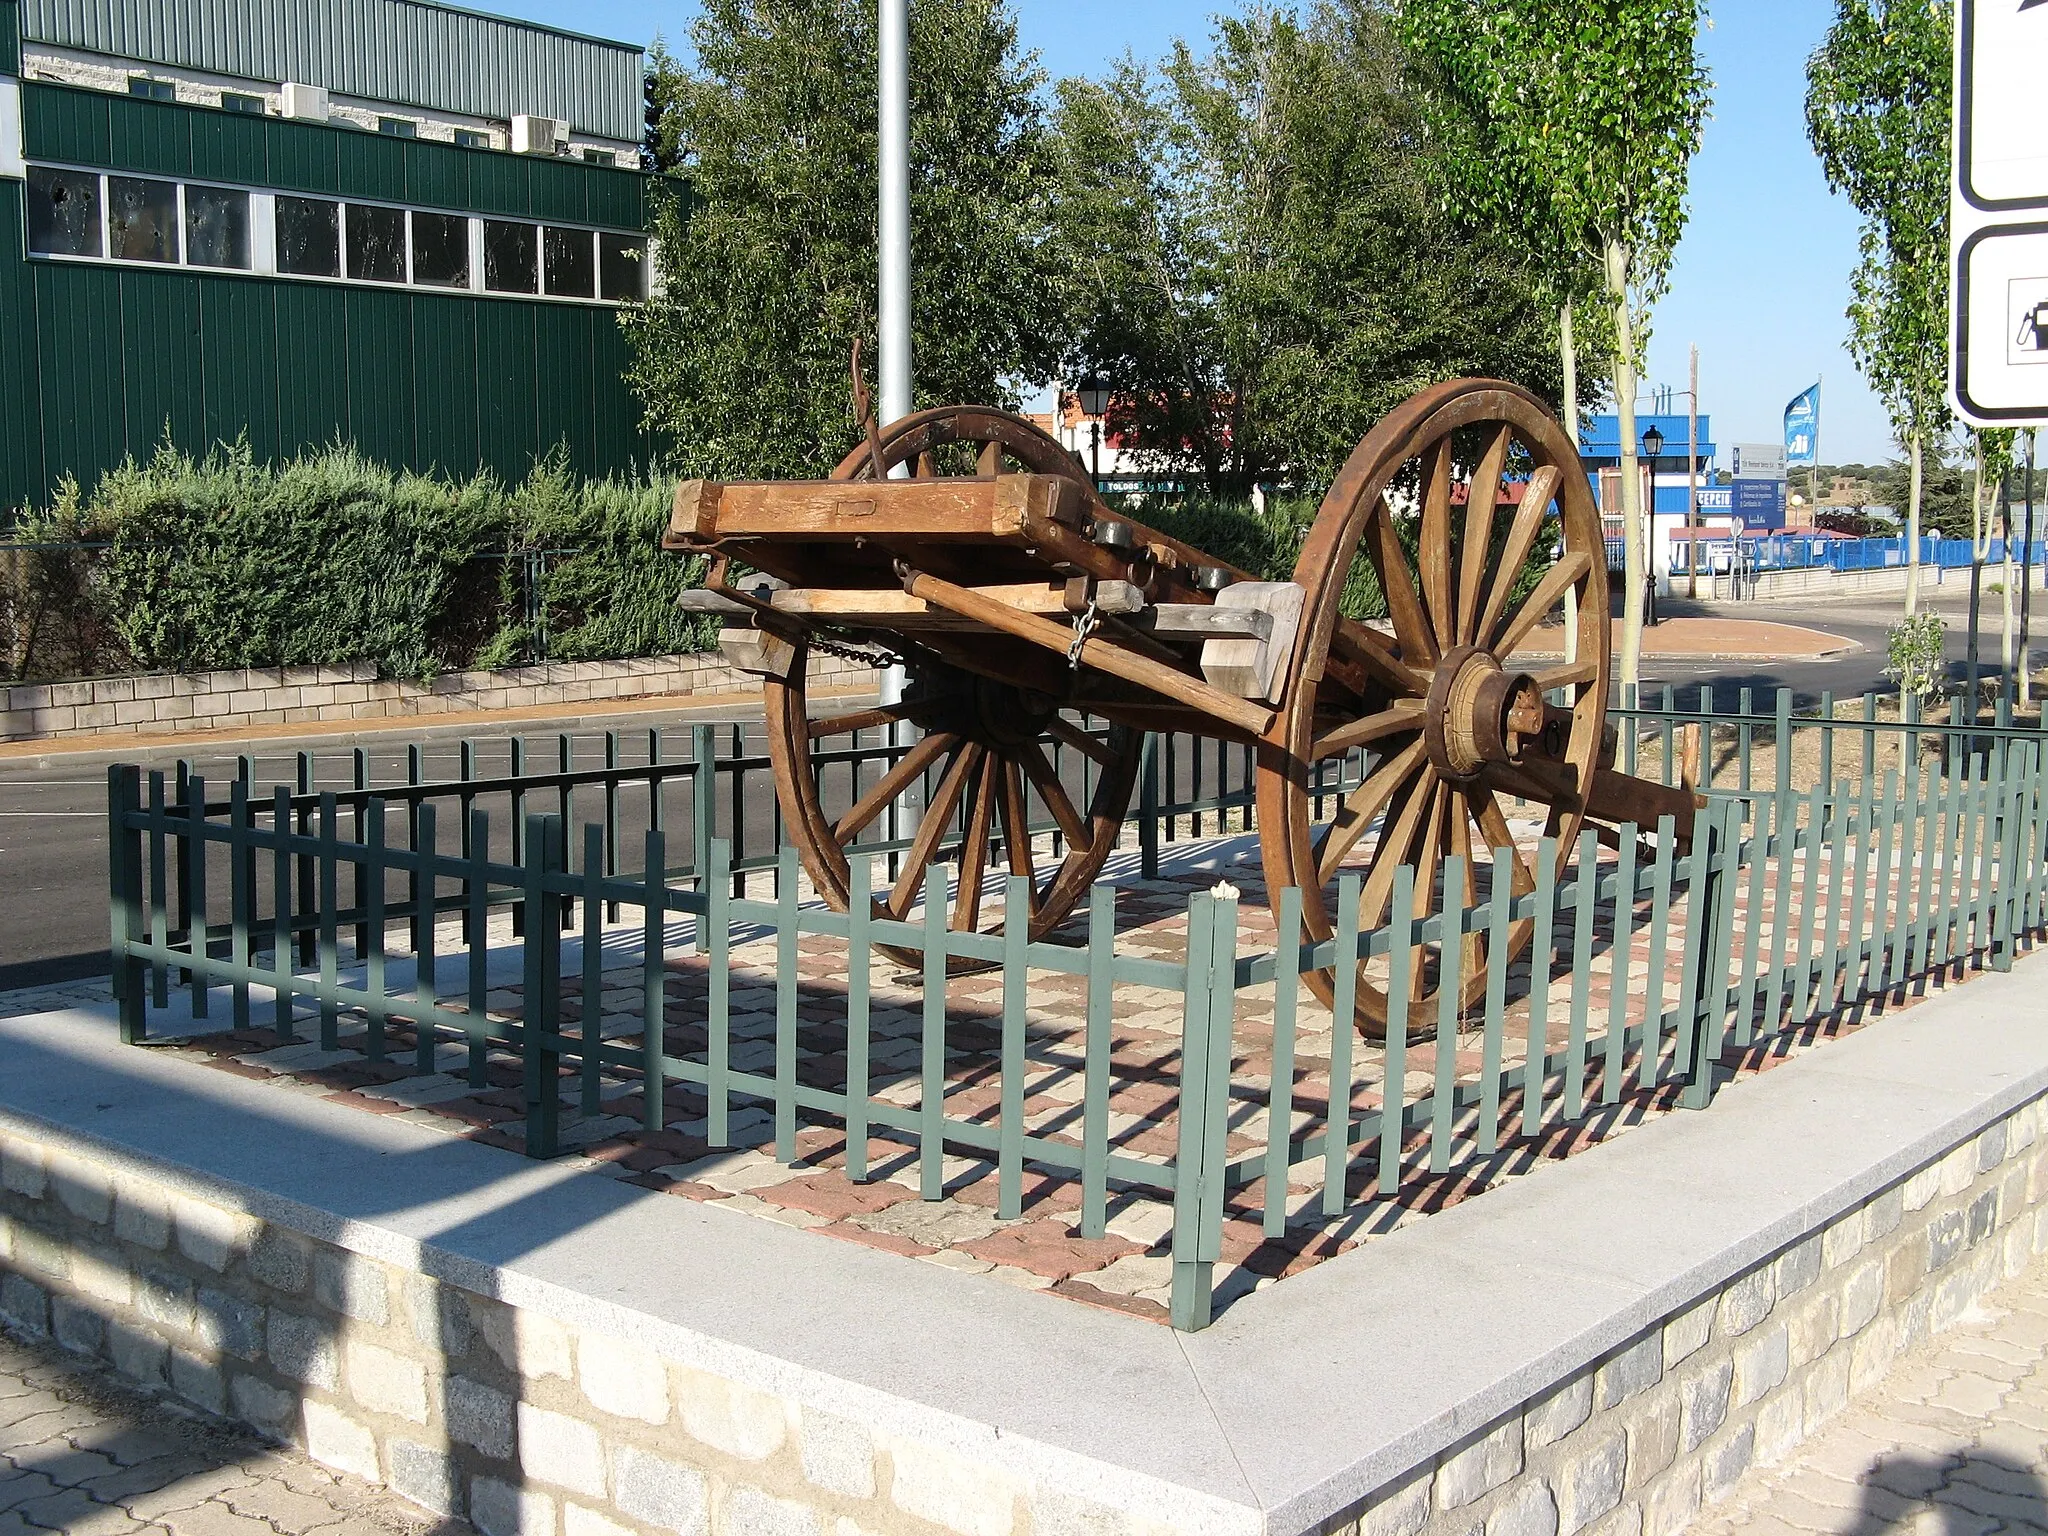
column 1800, row 897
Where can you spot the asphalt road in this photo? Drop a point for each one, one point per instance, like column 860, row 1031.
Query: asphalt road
column 1862, row 620
column 53, row 907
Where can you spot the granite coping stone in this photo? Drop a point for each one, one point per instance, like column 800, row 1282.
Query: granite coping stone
column 1298, row 1402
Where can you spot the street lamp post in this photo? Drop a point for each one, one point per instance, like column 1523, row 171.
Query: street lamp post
column 1653, row 447
column 1094, row 397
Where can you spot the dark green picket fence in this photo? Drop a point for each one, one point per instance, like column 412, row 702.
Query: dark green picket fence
column 1879, row 882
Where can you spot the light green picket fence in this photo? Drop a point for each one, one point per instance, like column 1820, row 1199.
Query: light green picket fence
column 1788, row 908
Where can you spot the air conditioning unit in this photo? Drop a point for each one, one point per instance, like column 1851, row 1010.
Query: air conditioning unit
column 307, row 103
column 538, row 135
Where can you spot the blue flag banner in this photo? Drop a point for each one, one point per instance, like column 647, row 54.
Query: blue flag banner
column 1802, row 426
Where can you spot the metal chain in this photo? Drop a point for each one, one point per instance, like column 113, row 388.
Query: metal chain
column 1084, row 626
column 876, row 656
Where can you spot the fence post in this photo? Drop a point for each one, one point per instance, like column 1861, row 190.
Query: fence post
column 124, row 898
column 541, row 1052
column 1206, row 1021
column 2006, row 893
column 181, row 858
column 1148, row 807
column 703, row 819
column 1709, row 984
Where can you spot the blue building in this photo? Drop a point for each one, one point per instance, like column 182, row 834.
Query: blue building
column 1664, row 480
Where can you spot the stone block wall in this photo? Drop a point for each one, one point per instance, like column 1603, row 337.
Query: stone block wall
column 164, row 703
column 1640, row 1442
column 527, row 1425
column 531, row 1425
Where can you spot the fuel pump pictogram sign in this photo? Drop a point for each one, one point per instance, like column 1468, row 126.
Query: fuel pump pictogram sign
column 1999, row 214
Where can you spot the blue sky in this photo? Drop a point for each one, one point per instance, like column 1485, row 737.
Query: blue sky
column 1762, row 275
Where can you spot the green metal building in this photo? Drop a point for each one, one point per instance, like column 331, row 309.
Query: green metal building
column 390, row 222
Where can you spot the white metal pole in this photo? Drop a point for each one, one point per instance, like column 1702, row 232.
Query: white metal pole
column 893, row 25
column 1692, row 481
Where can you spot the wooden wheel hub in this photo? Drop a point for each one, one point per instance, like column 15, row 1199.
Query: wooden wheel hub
column 1478, row 714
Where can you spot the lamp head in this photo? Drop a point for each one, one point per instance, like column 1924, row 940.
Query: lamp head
column 1093, row 395
column 1653, row 443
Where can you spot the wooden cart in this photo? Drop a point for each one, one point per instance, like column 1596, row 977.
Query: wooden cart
column 1019, row 599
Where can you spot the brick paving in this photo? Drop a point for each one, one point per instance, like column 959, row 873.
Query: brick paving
column 1954, row 1442
column 84, row 1453
column 1129, row 1267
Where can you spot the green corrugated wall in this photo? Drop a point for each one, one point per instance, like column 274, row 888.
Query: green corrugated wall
column 99, row 360
column 10, row 38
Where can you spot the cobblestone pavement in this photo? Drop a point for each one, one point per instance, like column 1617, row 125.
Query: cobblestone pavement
column 1954, row 1442
column 83, row 1453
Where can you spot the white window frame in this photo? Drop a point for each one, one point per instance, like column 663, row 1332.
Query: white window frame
column 263, row 240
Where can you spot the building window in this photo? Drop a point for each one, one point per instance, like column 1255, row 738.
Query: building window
column 440, row 250
column 376, row 243
column 622, row 266
column 308, row 237
column 600, row 157
column 469, row 138
column 398, row 127
column 217, row 227
column 235, row 101
column 63, row 212
column 142, row 219
column 95, row 214
column 511, row 257
column 571, row 264
column 151, row 90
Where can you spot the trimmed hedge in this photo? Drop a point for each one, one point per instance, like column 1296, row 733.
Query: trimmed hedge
column 181, row 565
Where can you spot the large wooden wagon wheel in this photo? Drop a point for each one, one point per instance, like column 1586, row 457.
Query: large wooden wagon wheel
column 1436, row 716
column 988, row 743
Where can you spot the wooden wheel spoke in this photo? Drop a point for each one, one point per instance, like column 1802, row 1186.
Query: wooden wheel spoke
column 1428, row 852
column 1015, row 810
column 892, row 784
column 1369, row 648
column 1549, row 591
column 1566, row 674
column 1362, row 805
column 1396, row 847
column 1522, row 532
column 989, row 461
column 981, row 813
column 1070, row 735
column 1436, row 546
column 1493, row 823
column 938, row 819
column 1404, row 606
column 1054, row 794
column 1401, row 715
column 909, row 712
column 1479, row 514
column 1472, row 948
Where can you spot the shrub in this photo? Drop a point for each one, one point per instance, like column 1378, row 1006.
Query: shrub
column 1914, row 657
column 177, row 564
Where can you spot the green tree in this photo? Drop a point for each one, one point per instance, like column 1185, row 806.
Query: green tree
column 768, row 261
column 1261, row 267
column 1878, row 115
column 1574, row 122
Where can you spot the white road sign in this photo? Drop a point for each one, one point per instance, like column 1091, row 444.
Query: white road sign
column 1999, row 213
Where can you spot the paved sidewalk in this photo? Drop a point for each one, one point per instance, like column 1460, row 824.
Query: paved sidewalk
column 83, row 1453
column 1712, row 637
column 1954, row 1442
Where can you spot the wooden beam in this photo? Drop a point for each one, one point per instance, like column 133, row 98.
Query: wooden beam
column 695, row 515
column 1105, row 656
column 884, row 608
column 947, row 508
column 1205, row 621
